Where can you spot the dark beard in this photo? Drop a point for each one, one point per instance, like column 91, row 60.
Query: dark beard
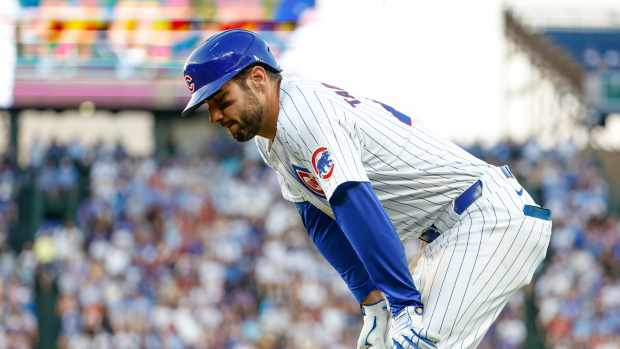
column 250, row 119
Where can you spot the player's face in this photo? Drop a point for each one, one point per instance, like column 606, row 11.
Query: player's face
column 237, row 108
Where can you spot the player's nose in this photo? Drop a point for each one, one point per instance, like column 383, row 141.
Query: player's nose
column 215, row 116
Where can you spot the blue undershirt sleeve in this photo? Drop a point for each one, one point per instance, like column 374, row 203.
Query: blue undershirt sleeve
column 363, row 220
column 336, row 249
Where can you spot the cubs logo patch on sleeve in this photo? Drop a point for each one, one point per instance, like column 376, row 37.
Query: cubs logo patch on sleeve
column 308, row 180
column 322, row 163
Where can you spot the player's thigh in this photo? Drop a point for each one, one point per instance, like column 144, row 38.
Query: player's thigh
column 468, row 274
column 516, row 256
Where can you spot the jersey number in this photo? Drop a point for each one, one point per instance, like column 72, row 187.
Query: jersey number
column 354, row 102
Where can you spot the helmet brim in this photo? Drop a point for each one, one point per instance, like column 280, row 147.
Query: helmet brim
column 208, row 90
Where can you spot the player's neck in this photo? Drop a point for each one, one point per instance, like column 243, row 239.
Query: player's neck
column 272, row 108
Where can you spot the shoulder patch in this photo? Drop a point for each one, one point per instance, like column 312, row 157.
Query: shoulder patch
column 308, row 180
column 322, row 163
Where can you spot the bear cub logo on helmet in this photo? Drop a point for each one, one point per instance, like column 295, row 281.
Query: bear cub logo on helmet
column 190, row 83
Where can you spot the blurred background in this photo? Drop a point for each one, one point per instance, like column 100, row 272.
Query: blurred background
column 124, row 226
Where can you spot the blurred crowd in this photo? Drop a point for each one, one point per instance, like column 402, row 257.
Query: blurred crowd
column 203, row 253
column 176, row 253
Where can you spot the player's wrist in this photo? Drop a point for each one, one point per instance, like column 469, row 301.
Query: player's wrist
column 373, row 297
column 378, row 308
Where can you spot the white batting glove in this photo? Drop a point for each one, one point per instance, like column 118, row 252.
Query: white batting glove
column 376, row 324
column 407, row 331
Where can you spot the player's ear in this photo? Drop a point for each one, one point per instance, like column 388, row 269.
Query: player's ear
column 258, row 76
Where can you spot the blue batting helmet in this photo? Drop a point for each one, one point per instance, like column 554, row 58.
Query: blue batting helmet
column 219, row 59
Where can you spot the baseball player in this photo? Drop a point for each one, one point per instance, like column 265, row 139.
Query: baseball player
column 365, row 177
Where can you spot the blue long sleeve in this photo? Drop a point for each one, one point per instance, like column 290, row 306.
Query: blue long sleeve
column 371, row 233
column 336, row 249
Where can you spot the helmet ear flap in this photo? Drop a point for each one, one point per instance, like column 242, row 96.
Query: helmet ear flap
column 219, row 59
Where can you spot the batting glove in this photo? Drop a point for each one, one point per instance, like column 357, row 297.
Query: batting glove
column 407, row 331
column 376, row 324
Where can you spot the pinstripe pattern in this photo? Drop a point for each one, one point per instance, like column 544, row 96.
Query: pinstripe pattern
column 414, row 174
column 469, row 273
column 482, row 257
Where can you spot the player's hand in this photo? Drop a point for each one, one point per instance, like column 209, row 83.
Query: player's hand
column 408, row 332
column 376, row 324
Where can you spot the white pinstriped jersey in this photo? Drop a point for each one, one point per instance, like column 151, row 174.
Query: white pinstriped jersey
column 484, row 254
column 326, row 137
